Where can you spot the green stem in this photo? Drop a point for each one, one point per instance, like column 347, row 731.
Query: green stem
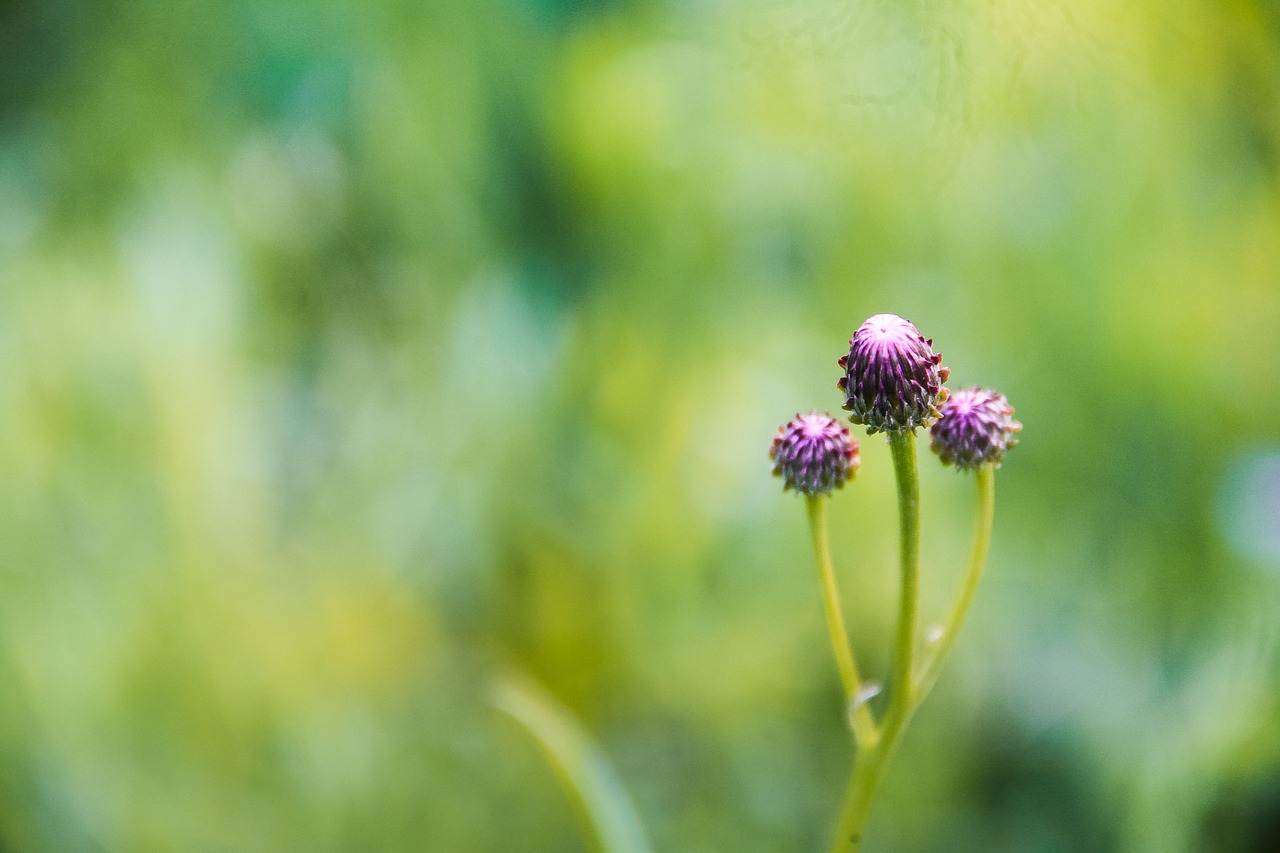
column 864, row 727
column 858, row 796
column 871, row 764
column 984, row 479
column 903, row 447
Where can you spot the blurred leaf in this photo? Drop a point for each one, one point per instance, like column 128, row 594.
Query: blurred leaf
column 581, row 765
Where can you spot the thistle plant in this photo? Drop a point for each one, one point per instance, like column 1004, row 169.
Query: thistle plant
column 894, row 383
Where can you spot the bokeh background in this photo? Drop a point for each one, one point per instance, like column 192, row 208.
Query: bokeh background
column 352, row 353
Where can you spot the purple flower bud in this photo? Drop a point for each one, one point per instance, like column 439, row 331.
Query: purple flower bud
column 976, row 428
column 892, row 377
column 814, row 454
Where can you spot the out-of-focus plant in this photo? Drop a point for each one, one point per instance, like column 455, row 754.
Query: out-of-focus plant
column 583, row 768
column 893, row 383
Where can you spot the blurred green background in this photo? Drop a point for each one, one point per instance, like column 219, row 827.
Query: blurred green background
column 351, row 353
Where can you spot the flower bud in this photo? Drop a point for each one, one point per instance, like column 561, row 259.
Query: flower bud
column 976, row 428
column 814, row 454
column 892, row 377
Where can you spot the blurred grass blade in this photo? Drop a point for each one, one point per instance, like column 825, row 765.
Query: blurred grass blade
column 579, row 762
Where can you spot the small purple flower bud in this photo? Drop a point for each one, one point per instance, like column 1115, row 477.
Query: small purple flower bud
column 814, row 454
column 892, row 377
column 975, row 429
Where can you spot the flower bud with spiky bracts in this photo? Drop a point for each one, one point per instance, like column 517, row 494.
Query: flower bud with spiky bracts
column 976, row 428
column 814, row 454
column 892, row 377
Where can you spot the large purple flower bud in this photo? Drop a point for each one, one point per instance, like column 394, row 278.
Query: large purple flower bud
column 975, row 429
column 814, row 454
column 892, row 377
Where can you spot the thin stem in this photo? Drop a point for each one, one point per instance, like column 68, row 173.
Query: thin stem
column 903, row 447
column 871, row 763
column 864, row 727
column 984, row 479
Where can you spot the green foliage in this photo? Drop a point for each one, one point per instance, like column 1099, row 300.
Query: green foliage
column 350, row 353
column 585, row 771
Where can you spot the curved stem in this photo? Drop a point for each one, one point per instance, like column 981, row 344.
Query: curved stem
column 871, row 763
column 864, row 727
column 984, row 479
